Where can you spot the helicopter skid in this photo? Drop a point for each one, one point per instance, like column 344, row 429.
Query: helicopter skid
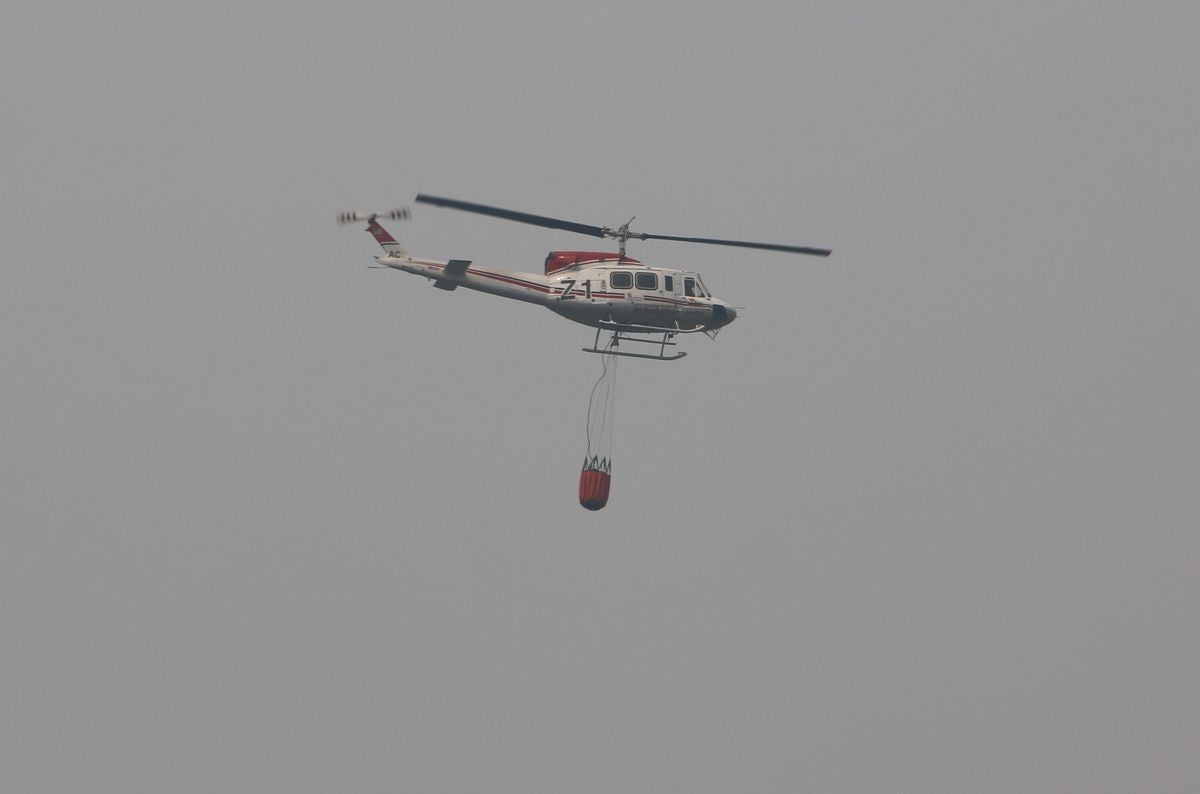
column 622, row 335
column 623, row 354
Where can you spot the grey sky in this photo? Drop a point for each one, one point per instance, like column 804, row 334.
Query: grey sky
column 922, row 520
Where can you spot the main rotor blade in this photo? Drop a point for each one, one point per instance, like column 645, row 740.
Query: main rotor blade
column 512, row 215
column 791, row 249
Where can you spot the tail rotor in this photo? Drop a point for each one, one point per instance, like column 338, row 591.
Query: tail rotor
column 401, row 214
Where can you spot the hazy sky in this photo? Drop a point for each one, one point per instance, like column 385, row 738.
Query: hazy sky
column 924, row 519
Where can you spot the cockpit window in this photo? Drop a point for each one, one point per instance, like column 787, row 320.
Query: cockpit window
column 620, row 280
column 692, row 288
column 647, row 280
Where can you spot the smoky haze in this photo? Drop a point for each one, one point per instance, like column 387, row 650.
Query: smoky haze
column 922, row 520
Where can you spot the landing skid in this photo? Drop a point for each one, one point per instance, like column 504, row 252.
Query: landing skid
column 619, row 336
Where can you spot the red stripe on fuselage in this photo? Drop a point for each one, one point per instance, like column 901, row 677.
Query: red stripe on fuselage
column 498, row 277
column 556, row 288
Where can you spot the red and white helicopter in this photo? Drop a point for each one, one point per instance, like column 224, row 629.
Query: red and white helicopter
column 606, row 290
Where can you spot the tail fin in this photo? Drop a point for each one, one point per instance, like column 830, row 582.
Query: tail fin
column 385, row 239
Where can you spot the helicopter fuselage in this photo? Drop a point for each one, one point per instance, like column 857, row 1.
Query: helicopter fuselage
column 613, row 292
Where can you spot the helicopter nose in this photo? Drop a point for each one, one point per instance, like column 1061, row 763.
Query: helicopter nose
column 723, row 315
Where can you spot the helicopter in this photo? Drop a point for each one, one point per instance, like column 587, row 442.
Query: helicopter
column 606, row 290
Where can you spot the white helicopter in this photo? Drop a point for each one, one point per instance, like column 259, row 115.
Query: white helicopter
column 606, row 290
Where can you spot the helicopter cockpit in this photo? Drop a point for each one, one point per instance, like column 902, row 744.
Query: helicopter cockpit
column 693, row 287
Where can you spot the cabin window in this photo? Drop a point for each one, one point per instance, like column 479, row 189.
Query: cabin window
column 669, row 284
column 621, row 280
column 647, row 281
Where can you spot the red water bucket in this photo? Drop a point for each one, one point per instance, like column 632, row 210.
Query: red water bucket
column 593, row 488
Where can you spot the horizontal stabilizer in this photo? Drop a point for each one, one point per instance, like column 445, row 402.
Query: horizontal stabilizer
column 455, row 268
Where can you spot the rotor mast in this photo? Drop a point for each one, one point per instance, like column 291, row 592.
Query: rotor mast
column 622, row 233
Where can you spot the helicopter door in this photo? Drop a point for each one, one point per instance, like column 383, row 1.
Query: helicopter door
column 646, row 283
column 620, row 281
column 648, row 304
